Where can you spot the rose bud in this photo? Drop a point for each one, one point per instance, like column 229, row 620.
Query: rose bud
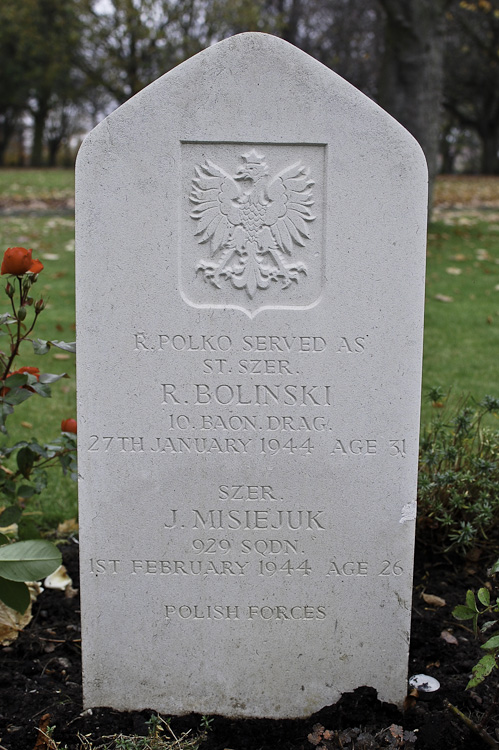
column 39, row 306
column 9, row 290
column 21, row 313
column 68, row 425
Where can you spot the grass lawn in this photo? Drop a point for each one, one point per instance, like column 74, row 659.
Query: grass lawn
column 52, row 240
column 461, row 340
column 36, row 184
column 462, row 299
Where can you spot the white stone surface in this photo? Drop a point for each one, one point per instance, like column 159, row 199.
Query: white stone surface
column 250, row 263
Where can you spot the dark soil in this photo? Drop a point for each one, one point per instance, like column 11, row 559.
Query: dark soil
column 40, row 684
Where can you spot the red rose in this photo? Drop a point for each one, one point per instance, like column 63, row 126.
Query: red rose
column 68, row 425
column 29, row 370
column 18, row 261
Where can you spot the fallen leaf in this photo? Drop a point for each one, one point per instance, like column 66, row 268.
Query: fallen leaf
column 410, row 700
column 43, row 737
column 70, row 526
column 62, row 356
column 443, row 298
column 28, row 425
column 12, row 622
column 459, row 257
column 50, row 256
column 434, row 601
column 447, row 636
column 70, row 592
column 454, row 271
column 59, row 579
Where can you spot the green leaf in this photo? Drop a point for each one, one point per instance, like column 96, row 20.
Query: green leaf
column 47, row 377
column 25, row 460
column 17, row 395
column 9, row 488
column 12, row 514
column 40, row 346
column 471, row 601
column 487, row 625
column 67, row 346
column 495, row 568
column 42, row 390
column 21, row 444
column 29, row 560
column 27, row 529
column 4, row 539
column 484, row 596
column 5, row 410
column 483, row 668
column 39, row 450
column 15, row 594
column 491, row 644
column 463, row 613
column 26, row 491
column 20, row 378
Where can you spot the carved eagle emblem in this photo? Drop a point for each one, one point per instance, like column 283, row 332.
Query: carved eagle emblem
column 252, row 222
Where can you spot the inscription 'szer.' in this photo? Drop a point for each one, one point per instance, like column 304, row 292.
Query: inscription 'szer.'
column 252, row 222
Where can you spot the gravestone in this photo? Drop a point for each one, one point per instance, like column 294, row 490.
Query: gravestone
column 250, row 262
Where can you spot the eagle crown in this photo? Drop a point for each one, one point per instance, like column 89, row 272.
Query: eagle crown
column 254, row 168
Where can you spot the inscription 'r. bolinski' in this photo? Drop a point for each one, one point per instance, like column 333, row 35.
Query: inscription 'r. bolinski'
column 252, row 222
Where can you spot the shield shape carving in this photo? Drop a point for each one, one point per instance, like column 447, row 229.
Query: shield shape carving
column 252, row 226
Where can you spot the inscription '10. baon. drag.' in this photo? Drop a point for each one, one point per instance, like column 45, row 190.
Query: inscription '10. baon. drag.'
column 249, row 357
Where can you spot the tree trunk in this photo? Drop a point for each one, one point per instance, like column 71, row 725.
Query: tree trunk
column 7, row 129
column 54, row 145
column 39, row 119
column 490, row 147
column 447, row 150
column 411, row 76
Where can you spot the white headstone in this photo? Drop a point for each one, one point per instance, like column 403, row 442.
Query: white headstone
column 250, row 239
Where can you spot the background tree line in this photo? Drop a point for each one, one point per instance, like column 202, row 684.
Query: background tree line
column 433, row 64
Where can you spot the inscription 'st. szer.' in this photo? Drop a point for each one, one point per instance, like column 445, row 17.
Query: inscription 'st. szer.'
column 252, row 222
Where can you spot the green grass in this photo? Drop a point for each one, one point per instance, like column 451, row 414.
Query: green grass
column 461, row 335
column 39, row 184
column 461, row 340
